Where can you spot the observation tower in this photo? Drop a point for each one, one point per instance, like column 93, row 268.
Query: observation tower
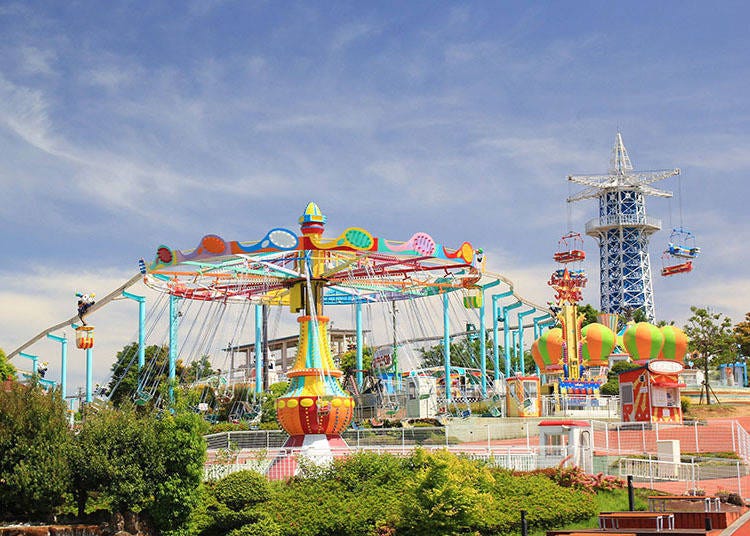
column 623, row 229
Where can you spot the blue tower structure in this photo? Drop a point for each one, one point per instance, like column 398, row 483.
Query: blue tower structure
column 623, row 229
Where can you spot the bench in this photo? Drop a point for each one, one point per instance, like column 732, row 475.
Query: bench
column 659, row 502
column 614, row 518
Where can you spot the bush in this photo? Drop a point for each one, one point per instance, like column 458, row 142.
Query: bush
column 34, row 446
column 242, row 489
column 262, row 527
column 685, row 404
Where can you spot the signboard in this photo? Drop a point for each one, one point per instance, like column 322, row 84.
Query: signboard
column 665, row 367
column 383, row 357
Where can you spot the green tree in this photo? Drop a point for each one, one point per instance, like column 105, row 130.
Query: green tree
column 268, row 404
column 589, row 314
column 464, row 353
column 198, row 369
column 34, row 441
column 149, row 463
column 7, row 370
column 742, row 334
column 712, row 337
column 348, row 360
column 128, row 383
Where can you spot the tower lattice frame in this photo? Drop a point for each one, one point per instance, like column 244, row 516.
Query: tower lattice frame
column 623, row 230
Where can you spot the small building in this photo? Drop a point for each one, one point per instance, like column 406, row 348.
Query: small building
column 523, row 396
column 652, row 393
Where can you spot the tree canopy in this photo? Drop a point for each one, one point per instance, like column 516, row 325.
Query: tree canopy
column 127, row 381
column 7, row 370
column 742, row 334
column 712, row 336
column 34, row 443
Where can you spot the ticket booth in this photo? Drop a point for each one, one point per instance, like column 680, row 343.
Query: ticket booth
column 652, row 393
column 523, row 396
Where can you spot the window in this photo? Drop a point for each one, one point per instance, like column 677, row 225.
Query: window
column 626, row 393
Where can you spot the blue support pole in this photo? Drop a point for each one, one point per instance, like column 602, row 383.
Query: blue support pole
column 89, row 374
column 63, row 362
column 172, row 344
column 141, row 326
column 520, row 337
column 506, row 334
column 360, row 378
column 495, row 336
column 258, row 349
column 34, row 359
column 483, row 348
column 446, row 347
column 537, row 326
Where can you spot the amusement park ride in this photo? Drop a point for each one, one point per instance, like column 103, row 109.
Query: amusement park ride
column 310, row 273
column 623, row 229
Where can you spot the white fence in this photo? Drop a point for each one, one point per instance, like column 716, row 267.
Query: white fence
column 514, row 458
column 514, row 444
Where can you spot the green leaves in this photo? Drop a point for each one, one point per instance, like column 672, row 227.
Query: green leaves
column 141, row 463
column 34, row 442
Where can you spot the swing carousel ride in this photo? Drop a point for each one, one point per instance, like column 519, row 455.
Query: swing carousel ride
column 310, row 272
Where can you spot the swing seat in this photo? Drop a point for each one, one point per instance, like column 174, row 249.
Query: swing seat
column 682, row 268
column 683, row 251
column 85, row 337
column 573, row 255
column 142, row 398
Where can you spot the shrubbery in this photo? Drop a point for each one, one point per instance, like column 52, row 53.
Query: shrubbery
column 366, row 494
column 578, row 479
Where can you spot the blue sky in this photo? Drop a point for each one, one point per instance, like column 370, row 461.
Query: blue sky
column 127, row 125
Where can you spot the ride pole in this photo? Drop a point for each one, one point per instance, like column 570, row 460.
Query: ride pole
column 63, row 361
column 258, row 350
column 89, row 375
column 446, row 347
column 34, row 359
column 495, row 334
column 506, row 334
column 358, row 312
column 482, row 349
column 141, row 326
column 520, row 336
column 538, row 324
column 173, row 315
column 483, row 339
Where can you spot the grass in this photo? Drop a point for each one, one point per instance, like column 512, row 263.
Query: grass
column 606, row 501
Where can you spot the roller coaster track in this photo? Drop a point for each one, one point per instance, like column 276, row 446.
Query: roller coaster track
column 98, row 305
column 115, row 294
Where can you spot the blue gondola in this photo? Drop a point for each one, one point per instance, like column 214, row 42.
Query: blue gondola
column 682, row 244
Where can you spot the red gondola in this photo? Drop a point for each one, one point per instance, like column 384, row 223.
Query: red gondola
column 681, row 268
column 570, row 249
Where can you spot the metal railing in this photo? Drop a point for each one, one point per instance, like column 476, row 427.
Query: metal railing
column 581, row 406
column 616, row 220
column 658, row 470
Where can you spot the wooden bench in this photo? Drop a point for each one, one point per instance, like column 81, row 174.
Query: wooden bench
column 614, row 519
column 711, row 504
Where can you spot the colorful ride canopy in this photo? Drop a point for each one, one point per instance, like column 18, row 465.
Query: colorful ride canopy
column 598, row 343
column 354, row 267
column 643, row 341
column 548, row 352
column 675, row 343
